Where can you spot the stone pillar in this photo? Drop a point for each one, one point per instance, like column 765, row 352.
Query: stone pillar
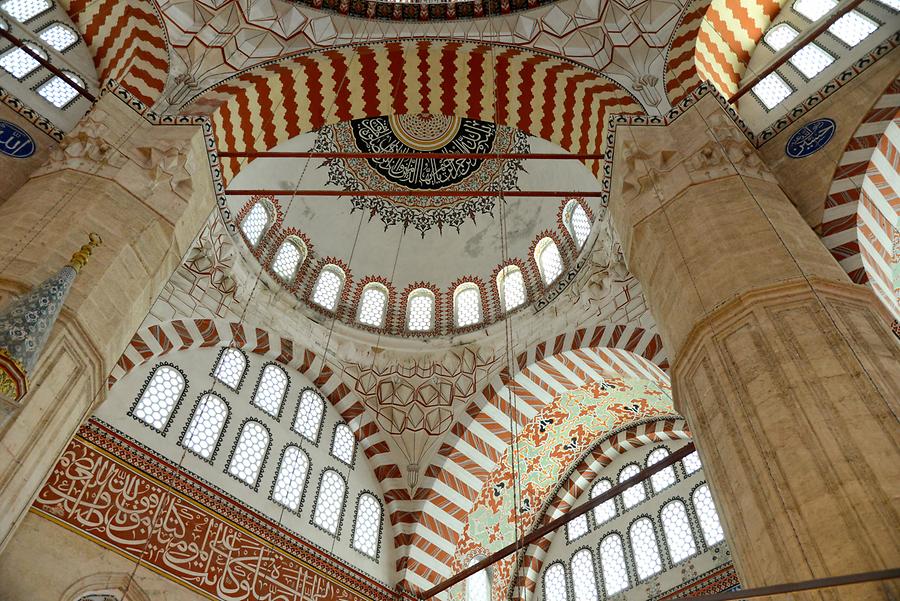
column 786, row 371
column 146, row 190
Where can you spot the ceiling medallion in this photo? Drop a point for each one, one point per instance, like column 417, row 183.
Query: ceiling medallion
column 440, row 134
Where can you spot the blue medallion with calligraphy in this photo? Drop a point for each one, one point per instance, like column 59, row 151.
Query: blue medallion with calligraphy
column 810, row 138
column 15, row 141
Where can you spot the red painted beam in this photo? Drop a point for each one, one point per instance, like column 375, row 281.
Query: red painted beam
column 481, row 156
column 419, row 193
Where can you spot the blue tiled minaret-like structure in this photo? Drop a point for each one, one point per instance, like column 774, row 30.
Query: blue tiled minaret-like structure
column 26, row 322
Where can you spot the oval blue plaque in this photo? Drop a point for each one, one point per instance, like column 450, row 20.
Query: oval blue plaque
column 810, row 138
column 15, row 141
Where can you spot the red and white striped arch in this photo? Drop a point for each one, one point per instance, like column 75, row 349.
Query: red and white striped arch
column 128, row 43
column 861, row 221
column 539, row 94
column 427, row 535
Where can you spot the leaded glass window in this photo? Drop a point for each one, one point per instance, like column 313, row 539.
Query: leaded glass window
column 288, row 259
column 809, row 60
column 271, row 390
column 478, row 585
column 511, row 287
column 256, row 222
column 584, row 578
column 665, row 477
column 343, row 444
column 23, row 10
column 708, row 516
column 691, row 463
column 160, row 395
column 606, row 510
column 330, row 502
column 467, row 305
column 372, row 305
column 578, row 527
column 548, row 260
column 367, row 526
column 202, row 434
column 420, row 310
column 58, row 36
column 612, row 564
column 309, row 415
column 251, row 449
column 577, row 222
column 292, row 472
column 633, row 494
column 771, row 90
column 327, row 291
column 230, row 367
column 645, row 548
column 58, row 92
column 677, row 529
column 19, row 63
column 555, row 583
column 852, row 28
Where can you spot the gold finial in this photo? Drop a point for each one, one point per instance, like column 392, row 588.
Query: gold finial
column 80, row 258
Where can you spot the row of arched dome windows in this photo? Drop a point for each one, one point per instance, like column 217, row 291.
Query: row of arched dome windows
column 420, row 303
column 165, row 389
column 645, row 551
column 18, row 63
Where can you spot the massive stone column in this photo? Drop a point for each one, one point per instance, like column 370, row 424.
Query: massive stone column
column 147, row 191
column 786, row 371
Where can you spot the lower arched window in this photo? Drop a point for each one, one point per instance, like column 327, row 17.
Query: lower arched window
column 58, row 92
column 230, row 368
column 330, row 502
column 202, row 434
column 310, row 410
column 555, row 583
column 612, row 563
column 367, row 525
column 270, row 392
column 478, row 585
column 677, row 529
column 645, row 548
column 250, row 452
column 709, row 518
column 584, row 578
column 160, row 396
column 292, row 472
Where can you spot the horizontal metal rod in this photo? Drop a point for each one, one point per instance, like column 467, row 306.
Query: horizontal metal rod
column 46, row 64
column 480, row 156
column 418, row 193
column 795, row 46
column 793, row 587
column 561, row 521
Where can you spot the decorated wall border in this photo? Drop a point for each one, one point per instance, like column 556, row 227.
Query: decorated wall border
column 175, row 406
column 39, row 121
column 284, row 396
column 212, row 456
column 380, row 539
column 262, row 465
column 306, row 479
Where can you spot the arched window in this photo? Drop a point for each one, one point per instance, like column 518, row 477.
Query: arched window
column 677, row 529
column 577, row 222
column 511, row 287
column 612, row 563
column 230, row 367
column 645, row 548
column 852, row 28
column 420, row 310
column 289, row 258
column 250, row 452
column 809, row 60
column 606, row 510
column 771, row 90
column 577, row 527
column 708, row 516
column 665, row 477
column 23, row 10
column 58, row 36
column 555, row 583
column 58, row 92
column 257, row 221
column 310, row 410
column 467, row 304
column 691, row 463
column 288, row 489
column 478, row 585
column 20, row 64
column 584, row 578
column 343, row 445
column 160, row 395
column 548, row 260
column 367, row 525
column 373, row 305
column 636, row 493
column 271, row 390
column 327, row 290
column 202, row 434
column 330, row 502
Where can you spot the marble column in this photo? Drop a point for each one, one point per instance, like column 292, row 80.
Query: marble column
column 147, row 190
column 785, row 370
